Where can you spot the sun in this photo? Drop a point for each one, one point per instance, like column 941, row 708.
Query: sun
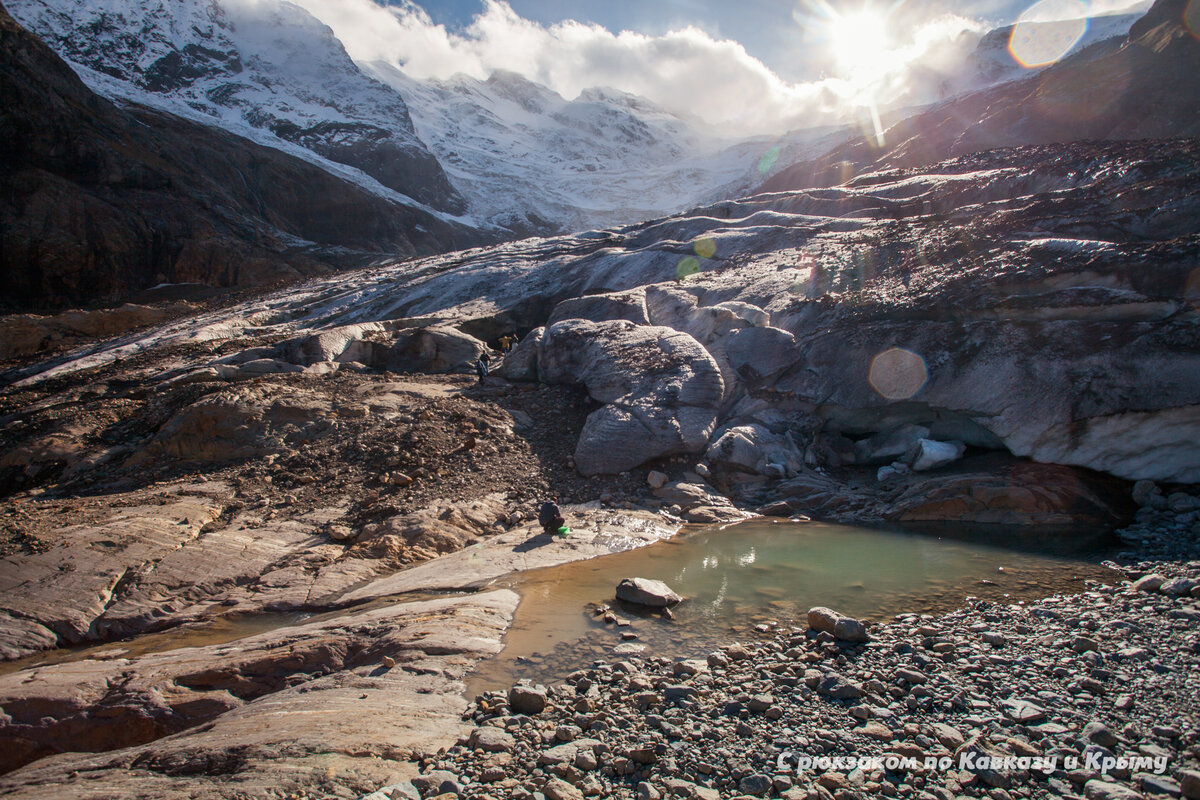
column 862, row 45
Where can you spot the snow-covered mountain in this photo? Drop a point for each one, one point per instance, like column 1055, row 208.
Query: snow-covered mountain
column 604, row 158
column 505, row 152
column 265, row 70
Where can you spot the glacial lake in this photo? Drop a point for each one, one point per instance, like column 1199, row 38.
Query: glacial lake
column 738, row 576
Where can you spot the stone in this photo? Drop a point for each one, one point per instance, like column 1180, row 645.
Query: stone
column 1143, row 491
column 526, row 700
column 888, row 445
column 839, row 688
column 1099, row 733
column 556, row 789
column 756, row 785
column 1149, row 583
column 839, row 625
column 1189, row 783
column 492, row 740
column 656, row 479
column 659, row 388
column 1023, row 711
column 647, row 592
column 927, row 454
column 1097, row 789
column 1178, row 587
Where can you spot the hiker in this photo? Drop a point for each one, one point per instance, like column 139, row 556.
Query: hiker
column 481, row 366
column 506, row 342
column 550, row 517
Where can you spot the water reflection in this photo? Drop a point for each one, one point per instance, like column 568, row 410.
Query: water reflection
column 760, row 570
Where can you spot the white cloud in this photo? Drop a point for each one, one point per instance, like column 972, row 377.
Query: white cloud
column 686, row 71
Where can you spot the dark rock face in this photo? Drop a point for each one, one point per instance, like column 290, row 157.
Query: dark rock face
column 1143, row 90
column 98, row 201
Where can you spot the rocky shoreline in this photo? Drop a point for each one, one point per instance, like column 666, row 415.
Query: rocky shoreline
column 1092, row 695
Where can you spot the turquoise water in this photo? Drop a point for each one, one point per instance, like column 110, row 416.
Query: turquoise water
column 739, row 576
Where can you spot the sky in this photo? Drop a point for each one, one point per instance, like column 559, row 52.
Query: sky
column 745, row 66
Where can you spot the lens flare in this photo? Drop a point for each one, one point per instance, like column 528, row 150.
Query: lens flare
column 897, row 374
column 705, row 248
column 1191, row 18
column 768, row 160
column 688, row 265
column 1047, row 31
column 1191, row 289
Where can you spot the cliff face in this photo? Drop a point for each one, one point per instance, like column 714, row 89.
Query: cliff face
column 1146, row 89
column 98, row 201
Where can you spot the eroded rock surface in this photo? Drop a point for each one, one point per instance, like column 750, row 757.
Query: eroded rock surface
column 327, row 707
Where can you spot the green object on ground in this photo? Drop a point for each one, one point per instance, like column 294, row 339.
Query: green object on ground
column 564, row 530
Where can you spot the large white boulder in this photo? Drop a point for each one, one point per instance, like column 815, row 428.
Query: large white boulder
column 659, row 387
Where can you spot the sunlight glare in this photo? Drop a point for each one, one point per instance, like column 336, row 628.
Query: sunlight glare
column 861, row 42
column 1047, row 31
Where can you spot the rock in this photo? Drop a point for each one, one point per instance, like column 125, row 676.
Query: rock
column 1178, row 587
column 630, row 306
column 1023, row 711
column 1003, row 491
column 659, row 387
column 1189, row 783
column 492, row 740
column 556, row 789
column 928, row 454
column 889, row 444
column 1144, row 491
column 520, row 363
column 1097, row 789
column 1099, row 733
column 322, row 701
column 656, row 479
column 757, row 785
column 526, row 700
column 1149, row 583
column 754, row 448
column 647, row 592
column 839, row 625
column 839, row 688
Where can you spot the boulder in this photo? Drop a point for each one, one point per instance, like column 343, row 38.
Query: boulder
column 520, row 364
column 526, row 699
column 660, row 388
column 647, row 592
column 754, row 448
column 839, row 625
column 437, row 348
column 928, row 454
column 889, row 444
column 760, row 354
column 629, row 306
column 343, row 343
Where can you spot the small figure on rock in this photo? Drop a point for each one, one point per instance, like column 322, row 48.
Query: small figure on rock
column 551, row 519
column 481, row 366
column 506, row 342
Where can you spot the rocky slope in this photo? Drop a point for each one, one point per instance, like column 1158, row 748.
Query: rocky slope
column 101, row 201
column 990, row 300
column 1142, row 90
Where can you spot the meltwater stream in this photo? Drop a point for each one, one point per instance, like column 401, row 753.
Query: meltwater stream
column 738, row 576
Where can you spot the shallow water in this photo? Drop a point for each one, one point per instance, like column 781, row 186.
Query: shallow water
column 763, row 571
